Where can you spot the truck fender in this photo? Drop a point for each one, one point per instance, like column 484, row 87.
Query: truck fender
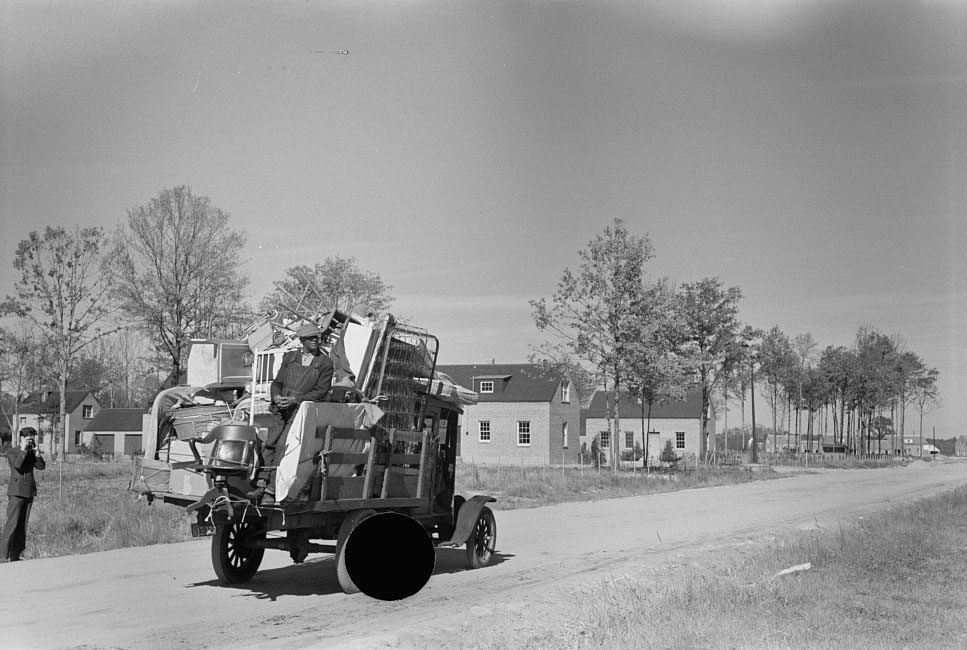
column 467, row 515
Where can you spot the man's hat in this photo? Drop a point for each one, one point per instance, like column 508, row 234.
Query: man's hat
column 308, row 330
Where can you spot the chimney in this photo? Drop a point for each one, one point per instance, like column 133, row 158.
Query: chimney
column 493, row 362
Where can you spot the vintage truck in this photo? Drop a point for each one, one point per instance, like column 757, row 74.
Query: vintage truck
column 368, row 469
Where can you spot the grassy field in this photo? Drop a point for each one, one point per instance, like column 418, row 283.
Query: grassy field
column 85, row 507
column 893, row 581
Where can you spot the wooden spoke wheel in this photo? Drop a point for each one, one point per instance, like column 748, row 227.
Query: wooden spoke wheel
column 483, row 540
column 235, row 553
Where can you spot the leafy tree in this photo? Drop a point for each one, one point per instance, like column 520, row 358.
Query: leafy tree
column 62, row 289
column 876, row 378
column 839, row 368
column 710, row 328
column 925, row 394
column 657, row 370
column 176, row 273
column 814, row 391
column 335, row 283
column 593, row 314
column 21, row 368
column 777, row 364
column 804, row 349
column 907, row 369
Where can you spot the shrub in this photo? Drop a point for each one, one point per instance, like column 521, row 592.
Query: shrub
column 668, row 454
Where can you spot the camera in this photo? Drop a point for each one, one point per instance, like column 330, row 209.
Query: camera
column 31, row 444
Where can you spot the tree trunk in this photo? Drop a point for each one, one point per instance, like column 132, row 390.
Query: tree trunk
column 615, row 451
column 62, row 448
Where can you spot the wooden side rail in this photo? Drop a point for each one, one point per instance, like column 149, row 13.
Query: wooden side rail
column 404, row 475
column 337, row 484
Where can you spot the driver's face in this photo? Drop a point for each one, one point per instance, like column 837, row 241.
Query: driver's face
column 310, row 344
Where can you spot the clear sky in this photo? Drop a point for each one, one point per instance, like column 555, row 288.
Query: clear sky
column 812, row 153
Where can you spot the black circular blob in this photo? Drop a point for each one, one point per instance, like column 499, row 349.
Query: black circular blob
column 389, row 556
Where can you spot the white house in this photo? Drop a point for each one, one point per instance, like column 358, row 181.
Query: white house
column 675, row 421
column 524, row 414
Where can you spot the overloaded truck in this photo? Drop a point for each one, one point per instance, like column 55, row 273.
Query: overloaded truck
column 367, row 474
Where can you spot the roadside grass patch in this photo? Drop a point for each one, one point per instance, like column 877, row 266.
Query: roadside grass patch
column 85, row 507
column 889, row 581
column 529, row 487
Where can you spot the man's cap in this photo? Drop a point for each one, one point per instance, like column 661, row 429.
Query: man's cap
column 308, row 330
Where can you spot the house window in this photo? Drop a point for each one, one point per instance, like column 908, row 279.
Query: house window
column 483, row 431
column 23, row 420
column 679, row 440
column 77, row 439
column 88, row 412
column 629, row 439
column 565, row 391
column 564, row 436
column 486, row 387
column 524, row 433
column 605, row 439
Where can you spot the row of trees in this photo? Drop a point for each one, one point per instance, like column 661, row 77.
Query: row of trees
column 114, row 312
column 617, row 327
column 862, row 392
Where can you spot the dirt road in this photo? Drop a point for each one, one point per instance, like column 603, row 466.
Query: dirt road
column 166, row 596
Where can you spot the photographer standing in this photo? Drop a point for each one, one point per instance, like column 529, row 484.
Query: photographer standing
column 20, row 493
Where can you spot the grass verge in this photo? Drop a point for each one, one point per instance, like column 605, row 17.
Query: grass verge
column 517, row 487
column 891, row 581
column 85, row 507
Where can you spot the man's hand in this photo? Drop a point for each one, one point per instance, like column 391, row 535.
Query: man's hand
column 285, row 401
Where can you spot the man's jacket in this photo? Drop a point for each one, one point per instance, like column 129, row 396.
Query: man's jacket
column 305, row 383
column 22, row 464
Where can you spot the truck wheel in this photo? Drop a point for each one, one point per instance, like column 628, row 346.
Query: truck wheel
column 345, row 529
column 234, row 557
column 482, row 540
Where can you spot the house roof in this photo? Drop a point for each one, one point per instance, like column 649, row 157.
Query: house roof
column 35, row 403
column 513, row 382
column 116, row 420
column 690, row 407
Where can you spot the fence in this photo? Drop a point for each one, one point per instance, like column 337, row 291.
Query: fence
column 834, row 459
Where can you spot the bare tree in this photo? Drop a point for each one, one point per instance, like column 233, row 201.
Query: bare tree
column 117, row 371
column 63, row 290
column 176, row 273
column 21, row 368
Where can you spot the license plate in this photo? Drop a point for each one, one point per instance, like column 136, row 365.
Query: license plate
column 202, row 530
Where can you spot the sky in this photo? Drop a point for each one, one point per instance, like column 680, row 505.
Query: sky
column 812, row 153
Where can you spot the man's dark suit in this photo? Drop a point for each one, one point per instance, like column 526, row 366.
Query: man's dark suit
column 20, row 497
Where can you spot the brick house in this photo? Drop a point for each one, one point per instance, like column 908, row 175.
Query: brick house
column 523, row 414
column 40, row 409
column 677, row 421
column 116, row 431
